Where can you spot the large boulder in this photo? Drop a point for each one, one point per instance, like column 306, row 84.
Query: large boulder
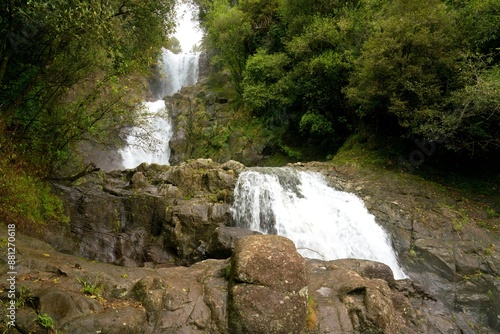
column 350, row 303
column 224, row 240
column 268, row 290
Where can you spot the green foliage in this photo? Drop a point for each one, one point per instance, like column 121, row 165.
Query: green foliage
column 415, row 69
column 312, row 322
column 220, row 137
column 174, row 45
column 92, row 289
column 402, row 66
column 315, row 124
column 25, row 297
column 473, row 120
column 290, row 152
column 26, row 199
column 227, row 31
column 45, row 321
column 316, row 72
column 266, row 86
column 479, row 22
column 67, row 70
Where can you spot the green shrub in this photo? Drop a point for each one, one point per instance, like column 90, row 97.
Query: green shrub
column 92, row 289
column 24, row 198
column 45, row 321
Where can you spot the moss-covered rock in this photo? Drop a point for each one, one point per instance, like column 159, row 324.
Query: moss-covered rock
column 208, row 125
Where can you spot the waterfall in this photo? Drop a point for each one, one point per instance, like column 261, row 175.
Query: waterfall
column 148, row 141
column 177, row 70
column 324, row 223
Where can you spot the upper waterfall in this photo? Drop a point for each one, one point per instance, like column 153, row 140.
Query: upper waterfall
column 148, row 142
column 323, row 222
column 177, row 71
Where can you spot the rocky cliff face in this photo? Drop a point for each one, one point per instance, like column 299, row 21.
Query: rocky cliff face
column 439, row 235
column 152, row 214
column 143, row 223
column 205, row 125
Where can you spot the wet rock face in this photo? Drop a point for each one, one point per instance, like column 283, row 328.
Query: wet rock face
column 266, row 287
column 150, row 214
column 224, row 240
column 190, row 300
column 268, row 292
column 349, row 303
column 201, row 122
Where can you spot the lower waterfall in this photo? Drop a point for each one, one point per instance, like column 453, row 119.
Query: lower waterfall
column 149, row 142
column 324, row 223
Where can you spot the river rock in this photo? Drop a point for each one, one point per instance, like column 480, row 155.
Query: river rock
column 224, row 241
column 439, row 256
column 268, row 292
column 368, row 269
column 349, row 303
column 131, row 320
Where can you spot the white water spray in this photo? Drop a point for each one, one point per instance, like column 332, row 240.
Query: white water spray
column 177, row 70
column 149, row 143
column 324, row 223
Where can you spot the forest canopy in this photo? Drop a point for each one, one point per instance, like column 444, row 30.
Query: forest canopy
column 323, row 70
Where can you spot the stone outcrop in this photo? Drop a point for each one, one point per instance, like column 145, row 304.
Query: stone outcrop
column 151, row 214
column 152, row 218
column 441, row 240
column 204, row 124
column 266, row 287
column 268, row 290
column 117, row 299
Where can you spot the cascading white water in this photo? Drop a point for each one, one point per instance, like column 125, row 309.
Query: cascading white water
column 149, row 141
column 178, row 70
column 324, row 223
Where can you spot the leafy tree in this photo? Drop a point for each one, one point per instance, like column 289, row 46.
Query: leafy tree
column 228, row 30
column 408, row 65
column 315, row 124
column 321, row 68
column 479, row 25
column 174, row 45
column 267, row 88
column 267, row 28
column 472, row 120
column 417, row 68
column 69, row 70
